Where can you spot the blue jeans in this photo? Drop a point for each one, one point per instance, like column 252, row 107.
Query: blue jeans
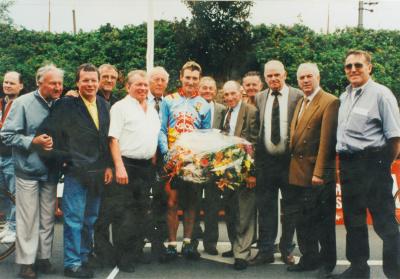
column 80, row 213
column 7, row 180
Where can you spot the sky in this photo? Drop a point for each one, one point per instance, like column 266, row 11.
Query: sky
column 90, row 14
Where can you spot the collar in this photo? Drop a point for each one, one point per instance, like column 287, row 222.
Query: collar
column 180, row 91
column 49, row 103
column 151, row 97
column 284, row 90
column 351, row 89
column 237, row 107
column 87, row 102
column 311, row 97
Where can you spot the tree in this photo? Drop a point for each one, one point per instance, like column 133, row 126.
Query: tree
column 4, row 11
column 219, row 36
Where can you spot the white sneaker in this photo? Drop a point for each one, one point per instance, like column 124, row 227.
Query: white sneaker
column 4, row 231
column 9, row 238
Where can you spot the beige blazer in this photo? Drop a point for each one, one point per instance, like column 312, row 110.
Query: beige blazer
column 313, row 140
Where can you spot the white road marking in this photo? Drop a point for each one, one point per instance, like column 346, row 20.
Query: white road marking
column 225, row 246
column 113, row 273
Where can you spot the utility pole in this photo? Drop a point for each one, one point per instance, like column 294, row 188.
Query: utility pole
column 74, row 21
column 49, row 22
column 361, row 10
column 150, row 36
column 74, row 18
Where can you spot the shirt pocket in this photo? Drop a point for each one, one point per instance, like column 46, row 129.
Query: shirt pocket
column 358, row 120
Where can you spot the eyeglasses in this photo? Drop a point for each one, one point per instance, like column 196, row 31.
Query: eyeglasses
column 356, row 65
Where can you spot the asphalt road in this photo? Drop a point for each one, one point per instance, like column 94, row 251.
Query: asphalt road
column 208, row 266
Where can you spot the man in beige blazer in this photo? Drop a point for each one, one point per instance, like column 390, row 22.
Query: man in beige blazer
column 241, row 121
column 312, row 173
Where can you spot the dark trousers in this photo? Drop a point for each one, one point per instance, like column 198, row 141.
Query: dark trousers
column 314, row 214
column 272, row 175
column 129, row 209
column 367, row 184
column 211, row 205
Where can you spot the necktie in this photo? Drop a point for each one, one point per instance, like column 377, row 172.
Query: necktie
column 157, row 105
column 275, row 121
column 305, row 105
column 227, row 128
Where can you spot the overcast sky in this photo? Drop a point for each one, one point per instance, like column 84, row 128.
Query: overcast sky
column 90, row 14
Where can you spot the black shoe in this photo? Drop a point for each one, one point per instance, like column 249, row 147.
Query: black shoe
column 301, row 267
column 44, row 266
column 240, row 264
column 171, row 253
column 141, row 258
column 27, row 272
column 211, row 250
column 126, row 267
column 227, row 254
column 359, row 272
column 159, row 252
column 78, row 272
column 189, row 251
column 262, row 258
column 93, row 262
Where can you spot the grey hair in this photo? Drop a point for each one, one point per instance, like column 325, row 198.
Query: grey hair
column 308, row 66
column 134, row 73
column 275, row 64
column 158, row 69
column 233, row 82
column 42, row 71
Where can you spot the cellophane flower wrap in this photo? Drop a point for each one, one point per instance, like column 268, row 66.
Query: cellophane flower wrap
column 208, row 155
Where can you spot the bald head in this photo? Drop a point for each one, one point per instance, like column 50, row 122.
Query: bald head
column 232, row 94
column 275, row 75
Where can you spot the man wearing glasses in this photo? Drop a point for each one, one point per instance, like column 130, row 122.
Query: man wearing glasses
column 368, row 140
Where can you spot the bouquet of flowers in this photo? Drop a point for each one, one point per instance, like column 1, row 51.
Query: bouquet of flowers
column 205, row 155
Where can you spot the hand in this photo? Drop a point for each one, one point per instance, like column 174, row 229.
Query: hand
column 72, row 93
column 316, row 181
column 108, row 175
column 121, row 176
column 44, row 141
column 251, row 182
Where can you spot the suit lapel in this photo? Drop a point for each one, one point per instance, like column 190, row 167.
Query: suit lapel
column 86, row 115
column 240, row 120
column 293, row 124
column 307, row 115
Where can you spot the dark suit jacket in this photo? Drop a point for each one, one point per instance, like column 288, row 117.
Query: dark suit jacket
column 313, row 140
column 219, row 114
column 263, row 158
column 77, row 142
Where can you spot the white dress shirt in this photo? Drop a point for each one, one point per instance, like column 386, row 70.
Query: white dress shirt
column 283, row 99
column 151, row 100
column 136, row 130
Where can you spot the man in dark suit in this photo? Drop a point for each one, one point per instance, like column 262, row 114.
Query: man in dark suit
column 312, row 173
column 79, row 128
column 276, row 106
column 212, row 194
column 241, row 121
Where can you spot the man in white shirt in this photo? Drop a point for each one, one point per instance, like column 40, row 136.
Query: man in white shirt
column 276, row 106
column 133, row 133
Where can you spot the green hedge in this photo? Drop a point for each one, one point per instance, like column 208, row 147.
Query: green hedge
column 24, row 51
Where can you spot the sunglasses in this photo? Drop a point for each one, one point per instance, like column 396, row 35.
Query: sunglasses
column 356, row 65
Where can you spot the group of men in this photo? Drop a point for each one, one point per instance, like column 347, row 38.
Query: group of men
column 112, row 152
